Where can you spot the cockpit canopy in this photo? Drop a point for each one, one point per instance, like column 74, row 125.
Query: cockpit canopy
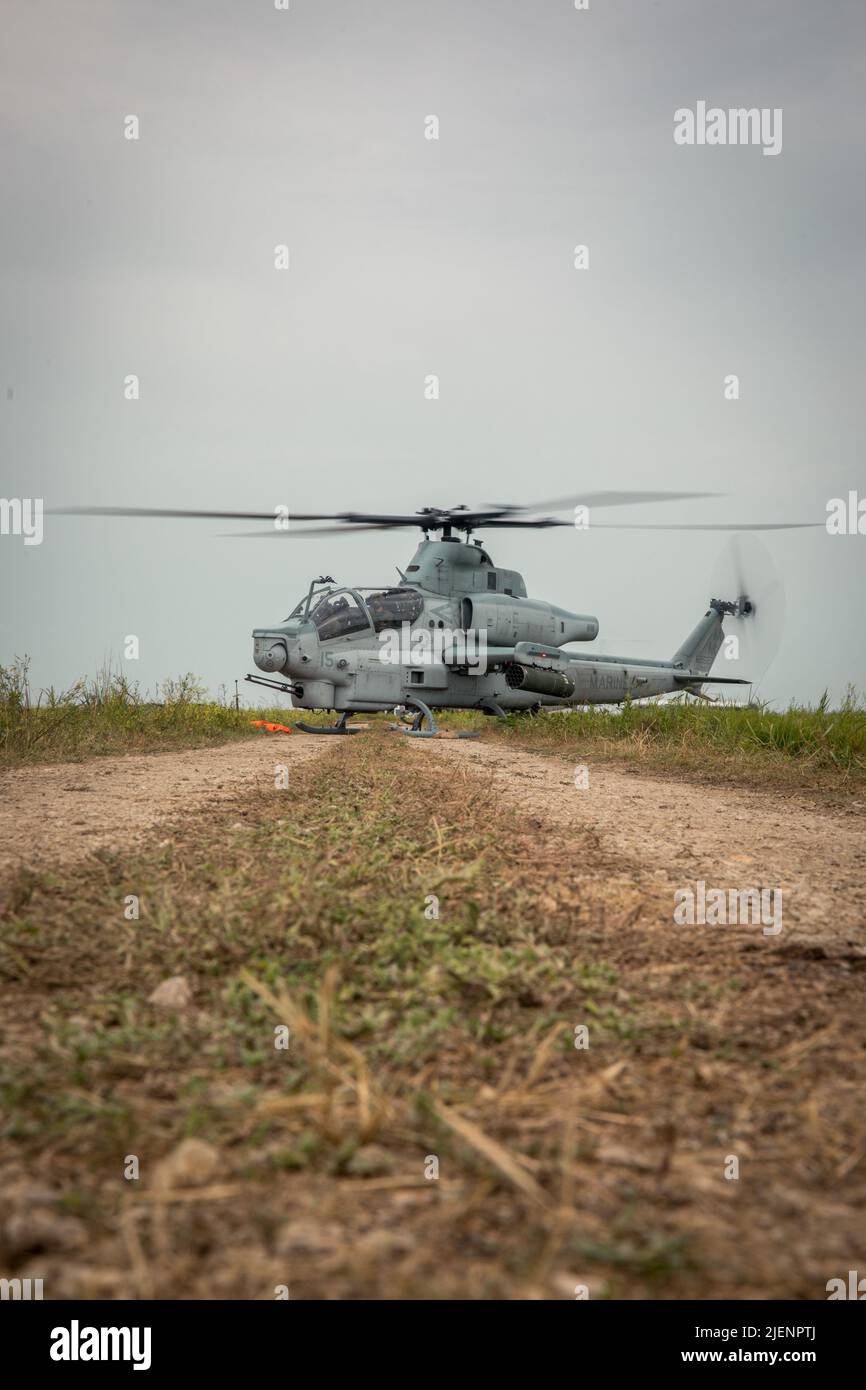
column 391, row 607
column 338, row 614
column 342, row 612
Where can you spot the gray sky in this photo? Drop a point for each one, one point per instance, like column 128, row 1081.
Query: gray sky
column 411, row 256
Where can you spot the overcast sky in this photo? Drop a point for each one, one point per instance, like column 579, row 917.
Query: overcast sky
column 411, row 257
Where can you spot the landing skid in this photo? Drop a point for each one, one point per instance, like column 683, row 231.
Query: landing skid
column 424, row 712
column 489, row 706
column 341, row 726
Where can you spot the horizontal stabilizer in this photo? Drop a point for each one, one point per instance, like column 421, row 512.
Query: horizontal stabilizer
column 685, row 679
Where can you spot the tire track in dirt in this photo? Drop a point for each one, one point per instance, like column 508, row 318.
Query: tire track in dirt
column 664, row 835
column 57, row 813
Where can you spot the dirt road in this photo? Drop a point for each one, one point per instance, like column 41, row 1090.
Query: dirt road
column 58, row 813
column 607, row 1164
column 662, row 835
column 652, row 833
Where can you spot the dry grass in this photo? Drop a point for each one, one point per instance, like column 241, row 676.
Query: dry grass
column 414, row 1039
column 109, row 713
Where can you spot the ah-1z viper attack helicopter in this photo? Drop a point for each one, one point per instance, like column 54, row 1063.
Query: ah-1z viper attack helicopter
column 458, row 631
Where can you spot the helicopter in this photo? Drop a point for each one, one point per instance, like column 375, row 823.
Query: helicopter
column 458, row 631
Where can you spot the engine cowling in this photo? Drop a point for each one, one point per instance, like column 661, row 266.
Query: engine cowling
column 506, row 621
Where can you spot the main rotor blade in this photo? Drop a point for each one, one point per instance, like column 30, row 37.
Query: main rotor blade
column 598, row 499
column 347, row 528
column 542, row 523
column 460, row 517
column 529, row 523
column 499, row 516
column 344, row 530
column 194, row 513
column 708, row 526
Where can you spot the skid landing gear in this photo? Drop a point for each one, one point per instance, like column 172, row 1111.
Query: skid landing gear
column 341, row 726
column 424, row 713
column 489, row 706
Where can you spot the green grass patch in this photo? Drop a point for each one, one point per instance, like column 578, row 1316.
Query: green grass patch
column 815, row 743
column 111, row 714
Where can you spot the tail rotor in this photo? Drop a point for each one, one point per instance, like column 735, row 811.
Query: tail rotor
column 751, row 592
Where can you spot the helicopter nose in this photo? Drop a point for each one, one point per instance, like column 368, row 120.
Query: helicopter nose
column 270, row 656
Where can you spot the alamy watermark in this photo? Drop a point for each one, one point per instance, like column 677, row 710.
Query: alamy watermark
column 434, row 646
column 22, row 516
column 736, row 126
column 77, row 1343
column 846, row 516
column 855, row 1288
column 721, row 907
column 20, row 1289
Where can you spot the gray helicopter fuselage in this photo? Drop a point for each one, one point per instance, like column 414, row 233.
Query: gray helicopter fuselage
column 356, row 649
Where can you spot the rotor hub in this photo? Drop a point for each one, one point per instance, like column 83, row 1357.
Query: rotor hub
column 734, row 608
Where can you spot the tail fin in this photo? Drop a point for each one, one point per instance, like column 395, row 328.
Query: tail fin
column 699, row 650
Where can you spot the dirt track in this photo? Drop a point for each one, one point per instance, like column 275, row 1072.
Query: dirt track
column 650, row 832
column 60, row 812
column 662, row 835
column 707, row 1043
